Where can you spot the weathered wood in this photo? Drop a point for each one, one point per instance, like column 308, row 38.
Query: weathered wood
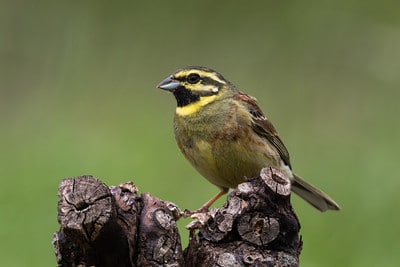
column 114, row 226
column 89, row 224
column 100, row 226
column 256, row 227
column 160, row 243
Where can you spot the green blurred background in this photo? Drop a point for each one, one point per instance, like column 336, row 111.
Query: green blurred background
column 78, row 96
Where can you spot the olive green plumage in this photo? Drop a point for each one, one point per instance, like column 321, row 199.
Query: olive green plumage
column 226, row 137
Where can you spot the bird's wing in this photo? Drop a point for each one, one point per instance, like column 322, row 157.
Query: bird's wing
column 262, row 126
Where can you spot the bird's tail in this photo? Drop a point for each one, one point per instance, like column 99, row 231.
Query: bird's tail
column 313, row 195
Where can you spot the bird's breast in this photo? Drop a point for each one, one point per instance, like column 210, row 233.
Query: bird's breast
column 224, row 150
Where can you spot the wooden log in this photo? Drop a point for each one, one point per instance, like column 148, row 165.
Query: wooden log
column 256, row 226
column 88, row 216
column 114, row 226
column 160, row 243
column 100, row 226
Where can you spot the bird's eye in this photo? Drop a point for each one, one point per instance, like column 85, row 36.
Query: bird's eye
column 193, row 78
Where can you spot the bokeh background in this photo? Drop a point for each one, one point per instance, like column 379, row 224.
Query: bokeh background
column 78, row 96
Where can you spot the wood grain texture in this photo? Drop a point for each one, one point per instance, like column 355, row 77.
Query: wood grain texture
column 115, row 226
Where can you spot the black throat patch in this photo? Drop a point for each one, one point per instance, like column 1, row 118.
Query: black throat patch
column 185, row 97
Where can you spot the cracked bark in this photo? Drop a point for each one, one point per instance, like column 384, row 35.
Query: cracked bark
column 114, row 226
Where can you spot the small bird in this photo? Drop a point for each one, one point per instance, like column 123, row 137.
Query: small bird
column 226, row 137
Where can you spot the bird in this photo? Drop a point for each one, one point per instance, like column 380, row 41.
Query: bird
column 224, row 134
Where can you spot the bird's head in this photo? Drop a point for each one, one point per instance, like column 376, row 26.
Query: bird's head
column 196, row 86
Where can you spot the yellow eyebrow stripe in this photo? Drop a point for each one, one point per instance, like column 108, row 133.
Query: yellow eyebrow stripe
column 195, row 106
column 202, row 73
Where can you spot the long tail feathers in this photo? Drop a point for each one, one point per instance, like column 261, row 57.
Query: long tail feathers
column 313, row 195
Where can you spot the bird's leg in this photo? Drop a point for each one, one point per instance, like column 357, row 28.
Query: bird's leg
column 208, row 204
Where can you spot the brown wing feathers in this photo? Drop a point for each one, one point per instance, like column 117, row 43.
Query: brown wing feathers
column 262, row 126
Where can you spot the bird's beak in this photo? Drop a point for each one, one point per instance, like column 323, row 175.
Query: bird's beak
column 169, row 84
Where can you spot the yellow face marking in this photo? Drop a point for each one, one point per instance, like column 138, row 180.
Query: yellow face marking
column 213, row 76
column 195, row 106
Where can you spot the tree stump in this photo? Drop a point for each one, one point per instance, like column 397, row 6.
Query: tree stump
column 114, row 226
